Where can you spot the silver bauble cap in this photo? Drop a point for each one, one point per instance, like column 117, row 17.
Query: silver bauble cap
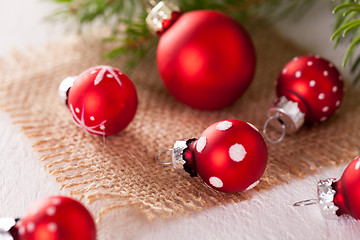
column 5, row 225
column 326, row 198
column 64, row 87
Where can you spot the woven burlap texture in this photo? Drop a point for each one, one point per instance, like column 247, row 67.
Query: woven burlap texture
column 119, row 171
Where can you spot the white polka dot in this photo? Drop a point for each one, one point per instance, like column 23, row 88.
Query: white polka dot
column 312, row 83
column 298, row 74
column 252, row 185
column 323, row 119
column 56, row 201
column 93, row 71
column 340, row 78
column 237, row 152
column 337, row 103
column 102, row 126
column 251, row 125
column 334, row 89
column 224, row 125
column 52, row 227
column 216, row 182
column 201, row 143
column 284, row 71
column 325, row 73
column 77, row 110
column 30, row 227
column 325, row 109
column 331, row 65
column 357, row 165
column 109, row 75
column 321, row 96
column 309, row 63
column 317, row 56
column 22, row 230
column 92, row 118
column 295, row 58
column 51, row 211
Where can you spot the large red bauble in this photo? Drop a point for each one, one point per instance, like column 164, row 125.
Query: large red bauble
column 347, row 196
column 206, row 59
column 315, row 84
column 56, row 218
column 103, row 100
column 231, row 156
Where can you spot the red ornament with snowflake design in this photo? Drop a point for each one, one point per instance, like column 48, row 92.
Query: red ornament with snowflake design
column 309, row 89
column 102, row 100
column 205, row 58
column 52, row 218
column 230, row 156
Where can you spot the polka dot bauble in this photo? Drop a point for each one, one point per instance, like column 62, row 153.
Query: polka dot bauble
column 55, row 218
column 230, row 156
column 102, row 100
column 309, row 89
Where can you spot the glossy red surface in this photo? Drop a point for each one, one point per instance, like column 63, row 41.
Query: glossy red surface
column 206, row 59
column 315, row 84
column 103, row 100
column 347, row 196
column 231, row 155
column 57, row 218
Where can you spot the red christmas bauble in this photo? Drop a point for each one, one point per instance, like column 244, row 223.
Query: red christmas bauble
column 206, row 59
column 102, row 100
column 347, row 190
column 231, row 156
column 57, row 218
column 315, row 84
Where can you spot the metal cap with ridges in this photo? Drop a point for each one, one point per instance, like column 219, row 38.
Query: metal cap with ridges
column 326, row 198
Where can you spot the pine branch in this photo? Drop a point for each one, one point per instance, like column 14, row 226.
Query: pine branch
column 347, row 25
column 127, row 18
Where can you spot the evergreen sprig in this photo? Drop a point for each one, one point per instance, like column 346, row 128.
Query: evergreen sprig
column 347, row 25
column 127, row 18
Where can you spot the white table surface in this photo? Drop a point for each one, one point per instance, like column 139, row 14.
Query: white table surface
column 268, row 215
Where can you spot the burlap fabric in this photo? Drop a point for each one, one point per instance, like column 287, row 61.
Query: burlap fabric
column 119, row 171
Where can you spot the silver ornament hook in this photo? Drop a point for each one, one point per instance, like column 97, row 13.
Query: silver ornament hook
column 157, row 157
column 306, row 202
column 283, row 130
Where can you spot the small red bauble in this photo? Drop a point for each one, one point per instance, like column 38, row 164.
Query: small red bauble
column 102, row 100
column 309, row 89
column 55, row 218
column 230, row 156
column 339, row 197
column 205, row 58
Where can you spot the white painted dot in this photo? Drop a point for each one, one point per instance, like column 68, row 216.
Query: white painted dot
column 51, row 211
column 340, row 78
column 317, row 56
column 295, row 58
column 22, row 230
column 331, row 65
column 109, row 75
column 92, row 118
column 312, row 83
column 252, row 185
column 284, row 70
column 56, row 201
column 323, row 119
column 102, row 126
column 30, row 227
column 309, row 63
column 216, row 182
column 237, row 152
column 326, row 73
column 77, row 110
column 251, row 125
column 224, row 125
column 201, row 143
column 93, row 71
column 337, row 103
column 325, row 109
column 321, row 96
column 357, row 165
column 52, row 227
column 298, row 74
column 334, row 89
